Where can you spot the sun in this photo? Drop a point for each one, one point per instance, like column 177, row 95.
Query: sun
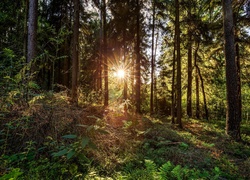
column 120, row 73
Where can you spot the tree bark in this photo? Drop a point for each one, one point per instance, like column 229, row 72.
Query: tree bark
column 100, row 60
column 138, row 61
column 75, row 52
column 233, row 118
column 105, row 60
column 155, row 79
column 197, row 112
column 203, row 90
column 32, row 30
column 178, row 58
column 190, row 68
column 173, row 92
column 125, row 88
column 25, row 28
column 152, row 64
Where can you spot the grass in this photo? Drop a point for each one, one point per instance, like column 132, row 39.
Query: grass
column 110, row 144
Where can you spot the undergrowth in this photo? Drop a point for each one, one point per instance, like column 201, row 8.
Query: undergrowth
column 53, row 139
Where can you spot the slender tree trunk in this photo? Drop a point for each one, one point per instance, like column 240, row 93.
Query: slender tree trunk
column 138, row 61
column 66, row 52
column 152, row 63
column 125, row 88
column 75, row 52
column 233, row 96
column 197, row 113
column 190, row 68
column 100, row 60
column 25, row 27
column 31, row 41
column 155, row 79
column 203, row 90
column 32, row 30
column 173, row 92
column 237, row 51
column 178, row 58
column 105, row 60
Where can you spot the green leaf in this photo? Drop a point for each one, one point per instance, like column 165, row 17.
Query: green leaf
column 85, row 141
column 13, row 174
column 70, row 154
column 70, row 136
column 184, row 145
column 60, row 153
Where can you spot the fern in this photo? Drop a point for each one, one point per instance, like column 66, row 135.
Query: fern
column 150, row 166
column 165, row 170
column 177, row 172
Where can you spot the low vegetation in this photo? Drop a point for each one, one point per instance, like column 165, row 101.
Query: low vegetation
column 49, row 138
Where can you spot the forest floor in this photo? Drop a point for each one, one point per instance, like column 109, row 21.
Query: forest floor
column 53, row 139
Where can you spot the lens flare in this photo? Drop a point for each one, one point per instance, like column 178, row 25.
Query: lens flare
column 120, row 73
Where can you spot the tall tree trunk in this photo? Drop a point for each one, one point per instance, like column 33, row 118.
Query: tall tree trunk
column 178, row 58
column 66, row 52
column 138, row 61
column 25, row 27
column 155, row 79
column 233, row 97
column 75, row 52
column 203, row 90
column 173, row 92
column 105, row 60
column 125, row 88
column 190, row 68
column 100, row 60
column 237, row 52
column 31, row 41
column 32, row 30
column 197, row 112
column 152, row 64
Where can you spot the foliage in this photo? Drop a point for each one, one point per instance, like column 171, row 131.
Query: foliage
column 12, row 175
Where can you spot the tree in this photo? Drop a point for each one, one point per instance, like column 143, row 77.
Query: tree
column 152, row 63
column 197, row 84
column 233, row 118
column 32, row 30
column 190, row 68
column 105, row 60
column 138, row 61
column 178, row 60
column 173, row 86
column 75, row 58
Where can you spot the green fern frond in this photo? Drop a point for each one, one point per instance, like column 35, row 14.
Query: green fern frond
column 165, row 170
column 150, row 166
